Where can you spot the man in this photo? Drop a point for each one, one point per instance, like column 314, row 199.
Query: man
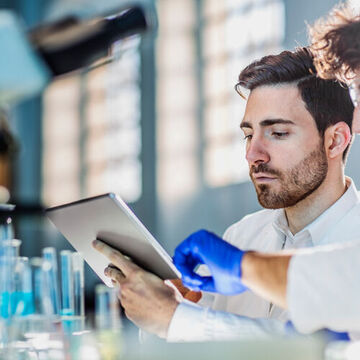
column 320, row 287
column 298, row 133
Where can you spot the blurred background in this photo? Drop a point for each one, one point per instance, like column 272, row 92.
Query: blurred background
column 158, row 125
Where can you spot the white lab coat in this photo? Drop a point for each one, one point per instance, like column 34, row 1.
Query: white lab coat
column 324, row 287
column 248, row 315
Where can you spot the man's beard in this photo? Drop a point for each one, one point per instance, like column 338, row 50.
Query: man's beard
column 296, row 183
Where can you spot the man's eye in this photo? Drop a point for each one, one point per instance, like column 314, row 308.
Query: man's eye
column 279, row 135
column 247, row 137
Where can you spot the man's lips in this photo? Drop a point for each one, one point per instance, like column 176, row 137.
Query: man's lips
column 261, row 177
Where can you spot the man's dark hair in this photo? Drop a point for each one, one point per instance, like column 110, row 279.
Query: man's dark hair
column 328, row 101
column 335, row 42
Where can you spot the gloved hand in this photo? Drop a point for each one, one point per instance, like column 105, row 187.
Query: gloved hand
column 222, row 259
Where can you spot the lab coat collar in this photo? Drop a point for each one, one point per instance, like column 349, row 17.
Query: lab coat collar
column 334, row 213
column 316, row 230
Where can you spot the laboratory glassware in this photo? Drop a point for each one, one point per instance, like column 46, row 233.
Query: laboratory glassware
column 42, row 321
column 22, row 296
column 78, row 276
column 108, row 322
column 107, row 310
column 49, row 255
column 67, row 283
column 7, row 265
column 6, row 230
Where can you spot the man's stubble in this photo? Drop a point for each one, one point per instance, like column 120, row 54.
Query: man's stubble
column 297, row 183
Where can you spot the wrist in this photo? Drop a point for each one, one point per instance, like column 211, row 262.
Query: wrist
column 247, row 267
column 169, row 312
column 266, row 275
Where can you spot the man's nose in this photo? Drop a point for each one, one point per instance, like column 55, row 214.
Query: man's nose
column 256, row 152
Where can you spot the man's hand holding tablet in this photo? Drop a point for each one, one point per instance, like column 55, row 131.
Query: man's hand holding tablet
column 146, row 299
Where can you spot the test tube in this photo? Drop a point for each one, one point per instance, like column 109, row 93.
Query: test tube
column 107, row 313
column 78, row 273
column 6, row 287
column 6, row 230
column 67, row 283
column 11, row 248
column 37, row 284
column 7, row 264
column 41, row 287
column 49, row 255
column 49, row 289
column 22, row 297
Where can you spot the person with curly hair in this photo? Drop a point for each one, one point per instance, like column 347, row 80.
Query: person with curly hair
column 335, row 43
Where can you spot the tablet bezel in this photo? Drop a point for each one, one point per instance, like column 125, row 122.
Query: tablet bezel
column 95, row 213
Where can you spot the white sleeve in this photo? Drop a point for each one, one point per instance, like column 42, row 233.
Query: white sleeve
column 192, row 322
column 324, row 289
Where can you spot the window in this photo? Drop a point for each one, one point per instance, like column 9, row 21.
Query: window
column 91, row 131
column 234, row 34
column 177, row 99
column 199, row 57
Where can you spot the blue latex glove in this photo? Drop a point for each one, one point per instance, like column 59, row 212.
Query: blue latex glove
column 222, row 259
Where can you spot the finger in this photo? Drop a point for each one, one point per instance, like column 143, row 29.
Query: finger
column 191, row 279
column 180, row 258
column 115, row 256
column 111, row 265
column 113, row 270
column 207, row 284
column 187, row 264
column 185, row 247
column 185, row 259
column 114, row 274
column 194, row 243
column 203, row 284
column 189, row 252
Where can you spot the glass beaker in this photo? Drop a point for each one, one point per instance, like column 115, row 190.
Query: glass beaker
column 107, row 309
column 108, row 322
column 42, row 321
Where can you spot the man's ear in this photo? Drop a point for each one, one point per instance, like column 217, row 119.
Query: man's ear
column 337, row 137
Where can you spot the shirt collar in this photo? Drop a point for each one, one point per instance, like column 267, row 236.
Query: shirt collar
column 320, row 225
column 280, row 222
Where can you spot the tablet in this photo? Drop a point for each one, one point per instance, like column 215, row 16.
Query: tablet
column 108, row 218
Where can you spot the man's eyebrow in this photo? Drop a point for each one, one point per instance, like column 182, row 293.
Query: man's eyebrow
column 245, row 124
column 269, row 122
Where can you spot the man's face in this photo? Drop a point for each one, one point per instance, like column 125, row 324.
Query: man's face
column 285, row 153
